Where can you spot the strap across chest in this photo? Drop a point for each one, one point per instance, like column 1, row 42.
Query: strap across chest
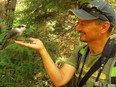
column 108, row 52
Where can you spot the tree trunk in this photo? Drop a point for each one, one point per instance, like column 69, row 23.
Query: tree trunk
column 7, row 9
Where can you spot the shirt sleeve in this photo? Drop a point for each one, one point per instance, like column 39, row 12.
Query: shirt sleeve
column 73, row 59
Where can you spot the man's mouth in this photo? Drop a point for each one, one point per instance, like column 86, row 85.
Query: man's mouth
column 81, row 33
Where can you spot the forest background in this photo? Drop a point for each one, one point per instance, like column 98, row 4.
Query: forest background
column 47, row 20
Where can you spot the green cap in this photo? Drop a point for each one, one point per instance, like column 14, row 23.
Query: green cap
column 96, row 9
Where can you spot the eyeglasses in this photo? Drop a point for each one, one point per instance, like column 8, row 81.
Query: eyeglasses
column 93, row 10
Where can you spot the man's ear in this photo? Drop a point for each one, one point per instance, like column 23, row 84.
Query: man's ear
column 105, row 27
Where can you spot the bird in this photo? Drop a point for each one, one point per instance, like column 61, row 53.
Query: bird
column 13, row 34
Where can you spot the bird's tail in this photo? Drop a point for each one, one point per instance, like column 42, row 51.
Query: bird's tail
column 4, row 45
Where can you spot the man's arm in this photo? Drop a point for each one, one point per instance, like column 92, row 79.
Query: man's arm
column 58, row 76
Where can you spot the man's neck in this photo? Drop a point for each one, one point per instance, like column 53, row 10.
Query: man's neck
column 97, row 46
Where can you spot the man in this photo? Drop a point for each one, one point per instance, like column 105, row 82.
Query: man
column 95, row 22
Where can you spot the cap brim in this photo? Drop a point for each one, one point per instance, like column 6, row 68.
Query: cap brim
column 80, row 13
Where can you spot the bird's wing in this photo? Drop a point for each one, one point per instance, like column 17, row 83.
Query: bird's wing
column 12, row 34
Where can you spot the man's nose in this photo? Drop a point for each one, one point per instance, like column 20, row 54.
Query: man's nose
column 77, row 28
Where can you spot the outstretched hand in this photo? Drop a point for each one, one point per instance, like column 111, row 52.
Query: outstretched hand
column 35, row 44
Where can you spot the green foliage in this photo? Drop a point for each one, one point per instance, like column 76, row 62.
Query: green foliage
column 18, row 65
column 113, row 2
column 83, row 1
column 48, row 21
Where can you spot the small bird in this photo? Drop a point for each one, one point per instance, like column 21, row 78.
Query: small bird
column 13, row 34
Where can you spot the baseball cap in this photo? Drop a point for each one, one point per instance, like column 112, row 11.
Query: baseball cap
column 96, row 9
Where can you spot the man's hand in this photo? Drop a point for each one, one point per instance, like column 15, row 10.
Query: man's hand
column 35, row 44
column 58, row 76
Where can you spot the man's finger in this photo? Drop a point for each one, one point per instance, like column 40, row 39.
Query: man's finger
column 32, row 39
column 22, row 43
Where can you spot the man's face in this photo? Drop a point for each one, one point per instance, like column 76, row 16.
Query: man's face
column 89, row 30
